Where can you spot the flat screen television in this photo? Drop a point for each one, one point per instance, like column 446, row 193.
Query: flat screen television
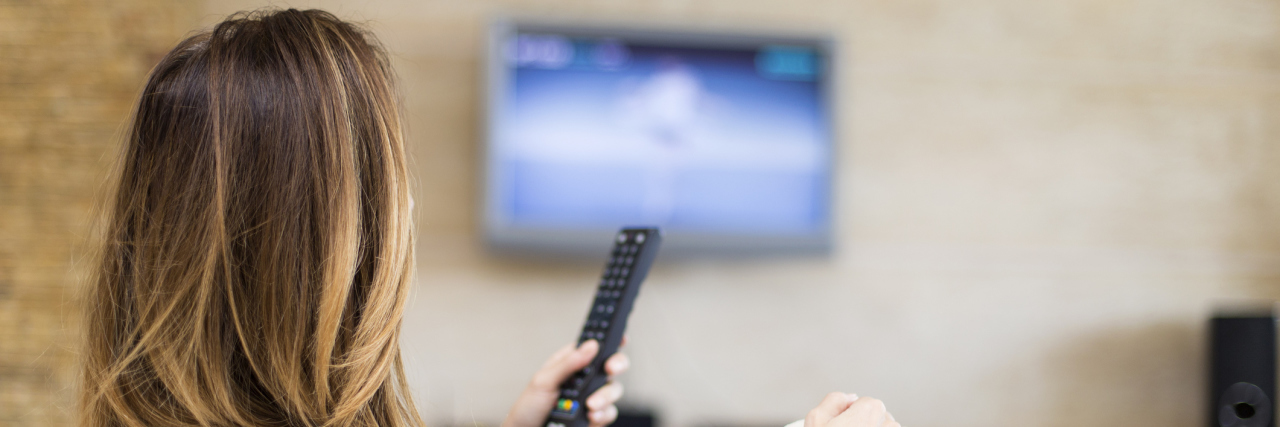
column 723, row 140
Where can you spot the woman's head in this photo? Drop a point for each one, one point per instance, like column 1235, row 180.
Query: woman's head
column 258, row 247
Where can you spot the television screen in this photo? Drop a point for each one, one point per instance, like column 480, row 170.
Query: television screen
column 724, row 141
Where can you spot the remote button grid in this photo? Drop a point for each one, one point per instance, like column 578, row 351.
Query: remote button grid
column 624, row 268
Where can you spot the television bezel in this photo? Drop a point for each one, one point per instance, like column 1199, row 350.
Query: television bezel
column 502, row 237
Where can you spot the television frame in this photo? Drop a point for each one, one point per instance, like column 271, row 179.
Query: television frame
column 501, row 237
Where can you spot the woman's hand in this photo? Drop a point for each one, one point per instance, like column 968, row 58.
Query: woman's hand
column 534, row 404
column 848, row 410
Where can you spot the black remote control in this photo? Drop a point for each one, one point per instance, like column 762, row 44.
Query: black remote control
column 633, row 252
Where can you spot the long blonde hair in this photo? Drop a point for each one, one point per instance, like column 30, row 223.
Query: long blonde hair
column 258, row 247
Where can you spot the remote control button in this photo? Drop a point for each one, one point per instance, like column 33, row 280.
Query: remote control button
column 639, row 237
column 600, row 309
column 588, row 370
column 622, row 237
column 617, row 294
column 609, row 309
column 629, row 260
column 604, row 323
column 571, row 393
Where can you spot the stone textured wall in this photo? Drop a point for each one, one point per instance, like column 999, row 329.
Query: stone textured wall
column 69, row 70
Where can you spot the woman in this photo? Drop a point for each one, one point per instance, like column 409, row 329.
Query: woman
column 259, row 245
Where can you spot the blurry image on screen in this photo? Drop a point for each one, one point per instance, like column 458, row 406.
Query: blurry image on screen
column 604, row 133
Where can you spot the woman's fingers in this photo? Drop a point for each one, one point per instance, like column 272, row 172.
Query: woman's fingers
column 563, row 363
column 848, row 410
column 617, row 364
column 603, row 417
column 866, row 411
column 832, row 405
column 605, row 397
column 600, row 406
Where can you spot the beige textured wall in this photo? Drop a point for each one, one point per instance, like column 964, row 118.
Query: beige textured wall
column 69, row 70
column 1039, row 202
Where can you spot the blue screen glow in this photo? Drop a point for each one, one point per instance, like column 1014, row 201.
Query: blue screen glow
column 601, row 133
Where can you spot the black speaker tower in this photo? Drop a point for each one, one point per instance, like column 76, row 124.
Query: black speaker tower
column 1243, row 370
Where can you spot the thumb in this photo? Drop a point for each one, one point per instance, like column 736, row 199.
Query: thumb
column 563, row 364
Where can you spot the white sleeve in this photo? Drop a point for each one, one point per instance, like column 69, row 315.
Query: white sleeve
column 796, row 423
